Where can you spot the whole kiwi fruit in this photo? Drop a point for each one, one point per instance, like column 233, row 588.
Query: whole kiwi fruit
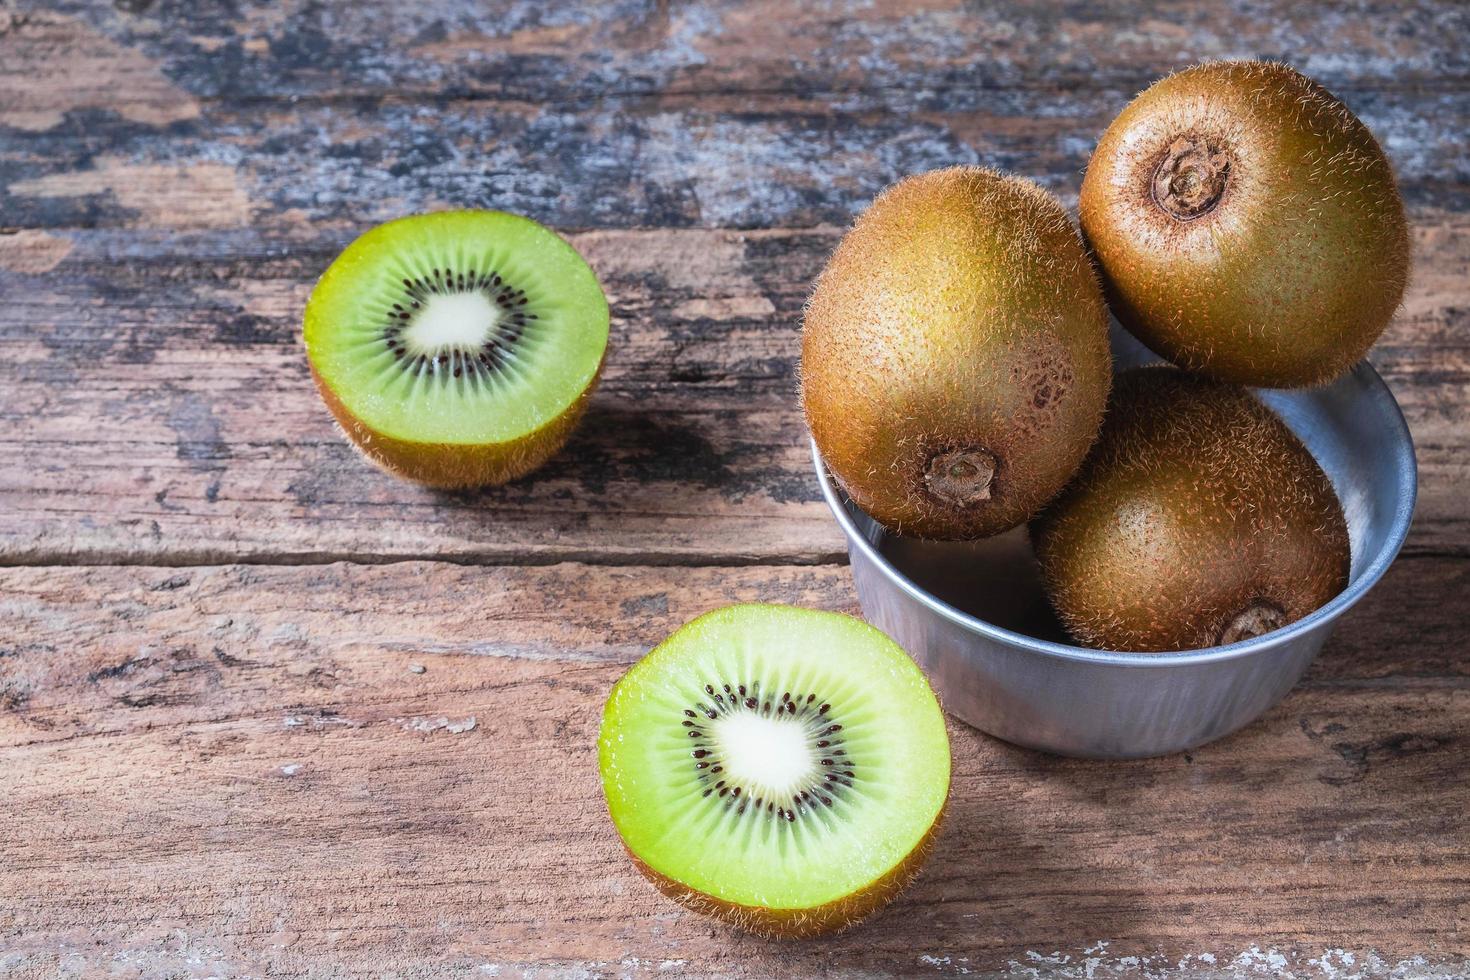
column 1198, row 519
column 954, row 356
column 1247, row 225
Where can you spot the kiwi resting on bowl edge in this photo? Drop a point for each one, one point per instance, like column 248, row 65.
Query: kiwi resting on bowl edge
column 954, row 358
column 1247, row 225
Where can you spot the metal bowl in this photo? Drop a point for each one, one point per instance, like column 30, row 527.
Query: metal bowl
column 975, row 617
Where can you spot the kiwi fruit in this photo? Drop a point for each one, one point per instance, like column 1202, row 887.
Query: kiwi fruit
column 782, row 769
column 1198, row 520
column 457, row 349
column 1247, row 225
column 954, row 358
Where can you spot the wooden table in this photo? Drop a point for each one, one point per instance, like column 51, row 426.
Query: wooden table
column 264, row 710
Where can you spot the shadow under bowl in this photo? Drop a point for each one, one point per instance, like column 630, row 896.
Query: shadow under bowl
column 974, row 615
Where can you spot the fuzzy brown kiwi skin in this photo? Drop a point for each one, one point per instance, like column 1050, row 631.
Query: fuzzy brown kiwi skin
column 1247, row 225
column 955, row 357
column 834, row 916
column 1198, row 519
column 452, row 466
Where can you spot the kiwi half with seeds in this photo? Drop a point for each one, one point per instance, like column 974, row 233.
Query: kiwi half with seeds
column 781, row 769
column 459, row 348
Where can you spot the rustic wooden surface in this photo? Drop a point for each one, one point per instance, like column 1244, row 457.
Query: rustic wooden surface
column 218, row 752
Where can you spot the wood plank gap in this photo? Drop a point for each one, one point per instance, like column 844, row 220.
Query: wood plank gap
column 106, row 558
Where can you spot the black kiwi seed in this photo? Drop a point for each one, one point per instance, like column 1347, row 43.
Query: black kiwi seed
column 821, row 729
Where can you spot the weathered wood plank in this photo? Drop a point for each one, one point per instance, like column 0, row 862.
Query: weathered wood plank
column 152, row 389
column 239, row 770
column 500, row 49
column 636, row 113
column 157, row 401
column 101, row 622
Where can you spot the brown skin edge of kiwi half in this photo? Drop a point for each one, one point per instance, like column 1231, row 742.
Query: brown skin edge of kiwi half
column 451, row 466
column 833, row 916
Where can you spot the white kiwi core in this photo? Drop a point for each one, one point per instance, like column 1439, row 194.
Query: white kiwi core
column 770, row 756
column 452, row 321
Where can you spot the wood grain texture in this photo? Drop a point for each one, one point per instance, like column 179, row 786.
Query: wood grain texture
column 265, row 711
column 639, row 112
column 240, row 769
column 188, row 429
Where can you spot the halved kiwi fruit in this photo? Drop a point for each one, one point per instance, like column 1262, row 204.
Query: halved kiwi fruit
column 1247, row 225
column 954, row 357
column 1198, row 520
column 782, row 769
column 459, row 348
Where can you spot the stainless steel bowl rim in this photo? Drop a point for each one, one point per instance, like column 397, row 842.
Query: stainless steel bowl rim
column 1403, row 515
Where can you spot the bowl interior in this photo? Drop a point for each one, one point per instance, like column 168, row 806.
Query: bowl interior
column 1353, row 428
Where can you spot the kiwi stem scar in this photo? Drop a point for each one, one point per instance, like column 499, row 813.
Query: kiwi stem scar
column 1191, row 178
column 1258, row 618
column 961, row 477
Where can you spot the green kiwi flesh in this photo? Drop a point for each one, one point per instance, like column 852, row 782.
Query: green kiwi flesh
column 1247, row 225
column 781, row 769
column 457, row 348
column 1198, row 520
column 955, row 355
